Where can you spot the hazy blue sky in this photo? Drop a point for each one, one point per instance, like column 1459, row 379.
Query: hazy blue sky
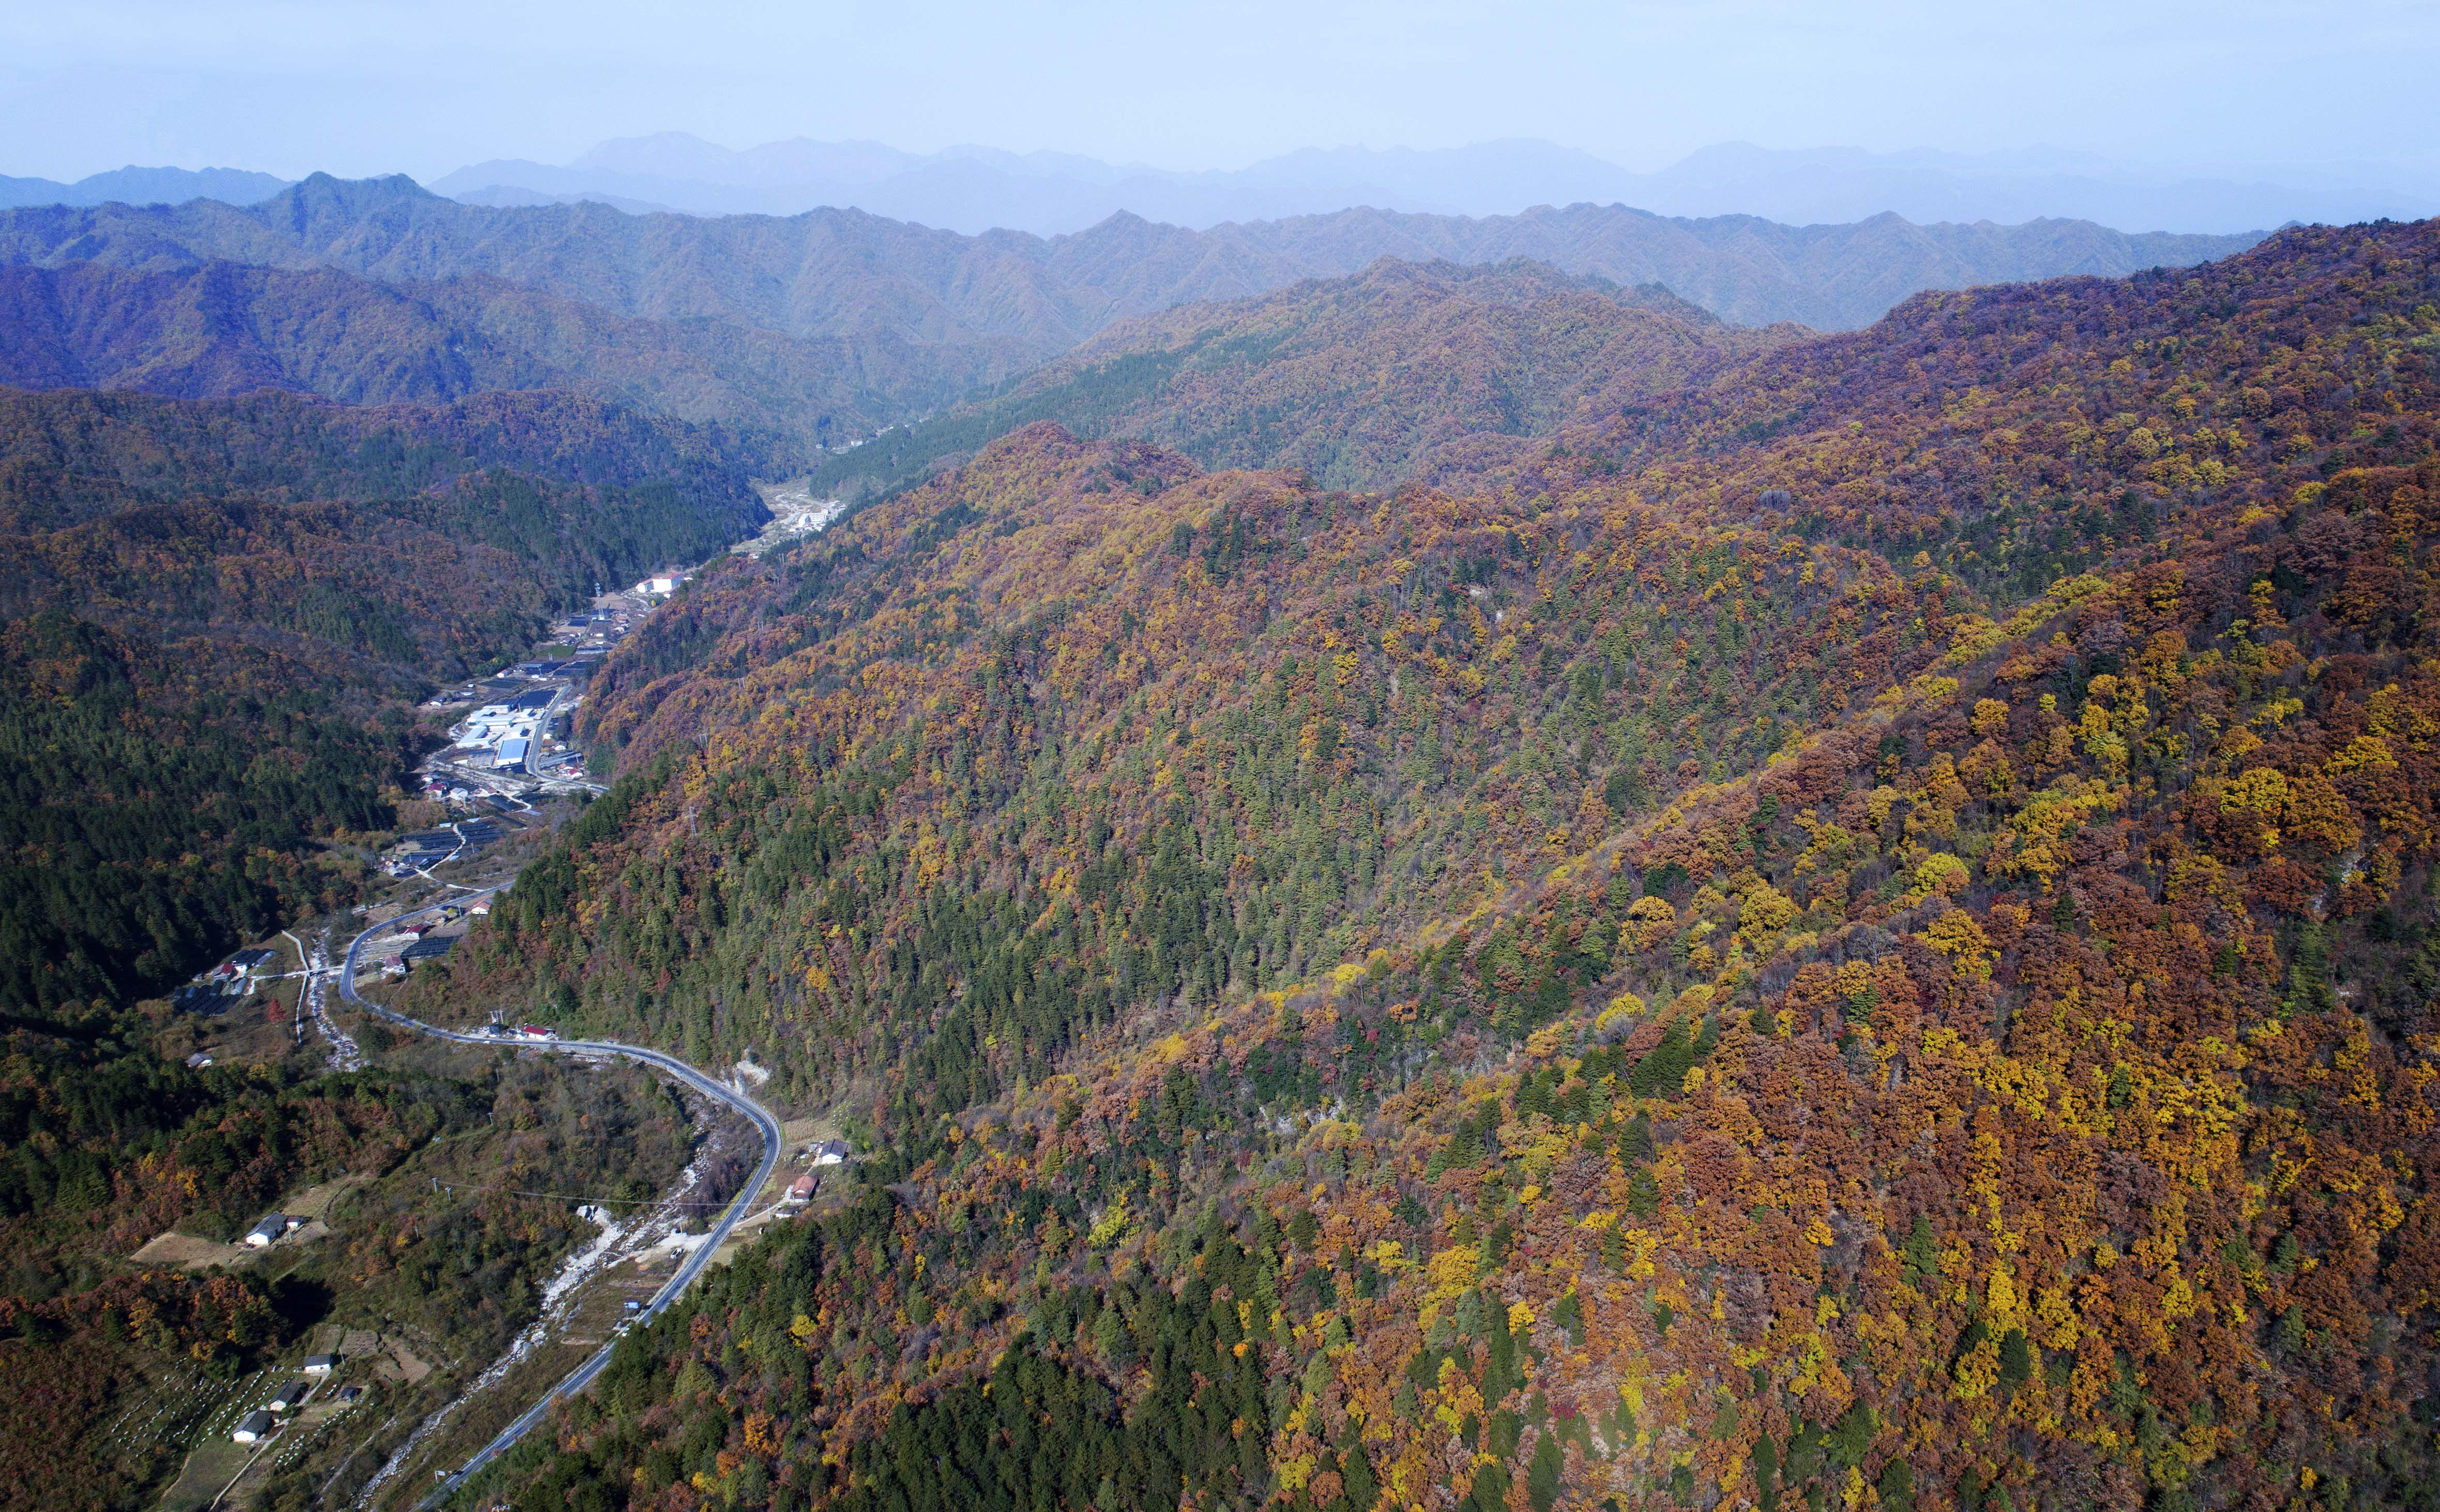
column 358, row 86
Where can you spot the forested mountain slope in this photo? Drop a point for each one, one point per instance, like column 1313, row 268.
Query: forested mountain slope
column 68, row 456
column 922, row 312
column 1353, row 380
column 211, row 615
column 222, row 330
column 1861, row 934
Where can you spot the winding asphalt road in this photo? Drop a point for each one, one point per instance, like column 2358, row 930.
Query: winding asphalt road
column 582, row 1376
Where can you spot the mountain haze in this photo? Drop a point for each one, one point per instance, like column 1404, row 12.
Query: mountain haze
column 974, row 189
column 828, row 325
column 1015, row 300
column 144, row 186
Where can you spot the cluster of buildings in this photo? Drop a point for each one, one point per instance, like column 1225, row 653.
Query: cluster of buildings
column 216, row 990
column 518, row 730
column 425, row 937
column 519, row 725
column 820, row 1153
column 519, row 722
column 265, row 1420
column 515, row 734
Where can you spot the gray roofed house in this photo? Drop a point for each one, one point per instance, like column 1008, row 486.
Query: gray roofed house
column 289, row 1397
column 321, row 1364
column 270, row 1229
column 253, row 1426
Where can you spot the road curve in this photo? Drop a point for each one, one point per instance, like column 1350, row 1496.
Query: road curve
column 760, row 1118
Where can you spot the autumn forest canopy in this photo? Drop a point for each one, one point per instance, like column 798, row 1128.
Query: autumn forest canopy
column 1855, row 933
column 1451, row 885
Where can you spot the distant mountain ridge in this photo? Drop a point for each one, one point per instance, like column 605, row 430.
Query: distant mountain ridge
column 982, row 309
column 974, row 189
column 144, row 186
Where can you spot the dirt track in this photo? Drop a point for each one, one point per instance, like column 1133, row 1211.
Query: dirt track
column 186, row 1250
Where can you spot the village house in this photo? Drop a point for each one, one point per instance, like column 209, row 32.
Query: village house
column 263, row 1235
column 253, row 1426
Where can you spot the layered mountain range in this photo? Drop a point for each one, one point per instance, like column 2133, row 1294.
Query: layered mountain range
column 822, row 325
